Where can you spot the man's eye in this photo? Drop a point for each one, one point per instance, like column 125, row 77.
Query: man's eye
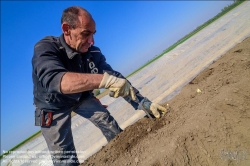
column 85, row 34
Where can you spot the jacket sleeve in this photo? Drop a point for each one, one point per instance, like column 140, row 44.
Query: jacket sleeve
column 47, row 66
column 107, row 68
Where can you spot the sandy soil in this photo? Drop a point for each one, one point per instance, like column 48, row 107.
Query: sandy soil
column 211, row 127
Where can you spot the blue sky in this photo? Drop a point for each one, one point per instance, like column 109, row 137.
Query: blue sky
column 128, row 34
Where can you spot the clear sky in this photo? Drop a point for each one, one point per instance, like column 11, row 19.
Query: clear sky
column 128, row 34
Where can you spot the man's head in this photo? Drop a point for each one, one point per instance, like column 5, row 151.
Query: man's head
column 78, row 28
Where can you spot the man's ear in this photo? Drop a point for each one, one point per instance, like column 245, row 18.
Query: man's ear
column 66, row 29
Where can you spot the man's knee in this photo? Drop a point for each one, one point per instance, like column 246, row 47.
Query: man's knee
column 108, row 126
column 105, row 119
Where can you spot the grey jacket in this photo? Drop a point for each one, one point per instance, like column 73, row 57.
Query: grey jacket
column 51, row 60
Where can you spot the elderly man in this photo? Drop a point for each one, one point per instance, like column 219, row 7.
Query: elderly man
column 66, row 70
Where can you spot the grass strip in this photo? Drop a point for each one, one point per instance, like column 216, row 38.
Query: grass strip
column 21, row 143
column 223, row 12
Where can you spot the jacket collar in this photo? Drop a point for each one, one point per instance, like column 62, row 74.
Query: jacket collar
column 70, row 52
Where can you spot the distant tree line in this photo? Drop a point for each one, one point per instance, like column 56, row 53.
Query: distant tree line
column 223, row 11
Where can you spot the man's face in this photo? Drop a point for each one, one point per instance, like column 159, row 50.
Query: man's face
column 82, row 37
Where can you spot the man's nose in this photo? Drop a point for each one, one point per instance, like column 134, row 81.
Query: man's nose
column 91, row 40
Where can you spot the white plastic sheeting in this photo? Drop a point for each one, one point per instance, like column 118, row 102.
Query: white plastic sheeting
column 159, row 81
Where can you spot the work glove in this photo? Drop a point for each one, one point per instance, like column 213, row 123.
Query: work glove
column 118, row 86
column 152, row 108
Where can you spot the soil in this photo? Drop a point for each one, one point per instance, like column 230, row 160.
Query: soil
column 207, row 123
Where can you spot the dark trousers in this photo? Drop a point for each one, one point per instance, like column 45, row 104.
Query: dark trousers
column 59, row 135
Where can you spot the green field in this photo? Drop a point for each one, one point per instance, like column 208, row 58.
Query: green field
column 223, row 12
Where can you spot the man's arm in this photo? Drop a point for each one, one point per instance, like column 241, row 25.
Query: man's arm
column 142, row 102
column 79, row 82
column 54, row 77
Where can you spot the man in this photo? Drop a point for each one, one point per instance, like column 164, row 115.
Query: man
column 65, row 71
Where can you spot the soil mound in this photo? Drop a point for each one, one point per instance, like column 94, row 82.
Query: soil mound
column 208, row 122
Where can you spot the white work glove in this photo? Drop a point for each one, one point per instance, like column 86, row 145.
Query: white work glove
column 119, row 86
column 152, row 108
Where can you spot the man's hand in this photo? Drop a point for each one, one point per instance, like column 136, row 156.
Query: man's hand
column 152, row 108
column 120, row 87
column 155, row 108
